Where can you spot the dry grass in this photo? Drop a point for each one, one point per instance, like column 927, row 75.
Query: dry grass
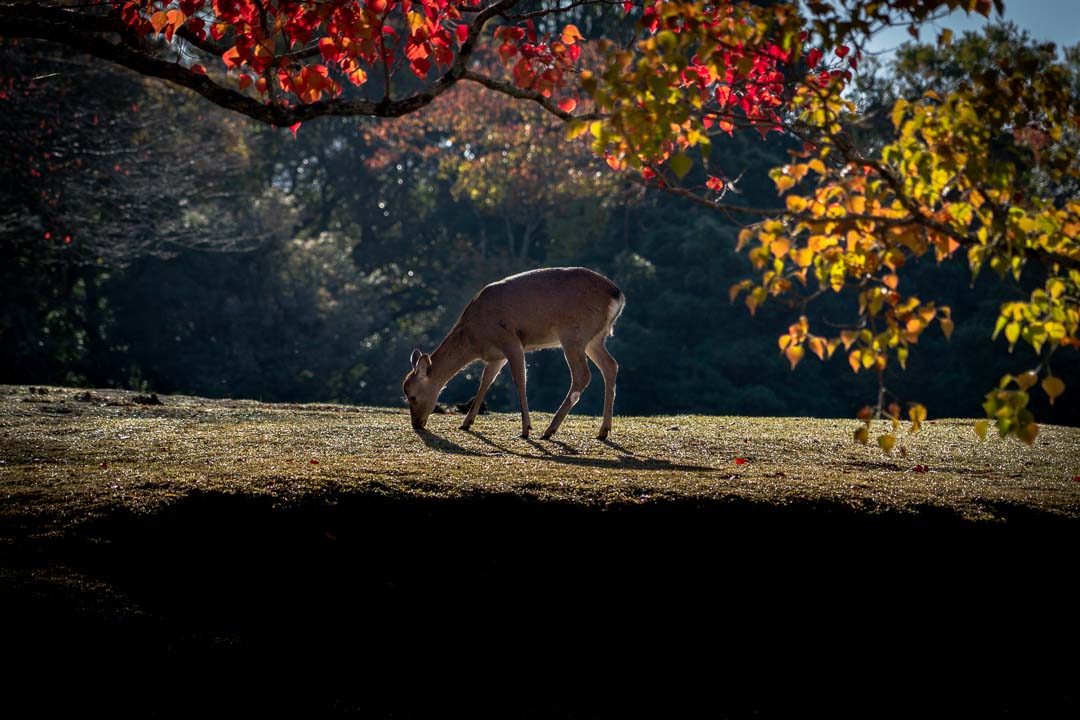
column 68, row 459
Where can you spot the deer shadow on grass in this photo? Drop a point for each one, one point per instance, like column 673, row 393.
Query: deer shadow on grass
column 574, row 456
column 438, row 442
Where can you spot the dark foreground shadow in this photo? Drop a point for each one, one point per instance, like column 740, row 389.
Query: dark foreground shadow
column 388, row 605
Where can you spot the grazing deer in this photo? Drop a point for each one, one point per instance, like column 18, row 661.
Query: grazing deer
column 570, row 307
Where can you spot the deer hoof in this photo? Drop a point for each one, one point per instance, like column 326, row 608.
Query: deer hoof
column 546, row 436
column 464, row 426
column 602, row 435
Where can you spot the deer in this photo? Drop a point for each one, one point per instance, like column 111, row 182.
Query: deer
column 573, row 308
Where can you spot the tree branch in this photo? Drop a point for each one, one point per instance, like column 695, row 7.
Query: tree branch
column 536, row 97
column 80, row 31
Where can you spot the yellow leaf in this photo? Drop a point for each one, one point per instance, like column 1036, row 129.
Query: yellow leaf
column 946, row 327
column 794, row 355
column 886, row 442
column 848, row 337
column 818, row 347
column 862, row 435
column 1012, row 333
column 576, row 129
column 855, row 360
column 784, row 341
column 1053, row 387
column 817, row 166
column 981, row 427
column 917, row 415
column 784, row 183
column 745, row 235
column 898, row 112
column 796, row 203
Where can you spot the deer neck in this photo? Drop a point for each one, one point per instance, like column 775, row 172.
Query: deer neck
column 453, row 353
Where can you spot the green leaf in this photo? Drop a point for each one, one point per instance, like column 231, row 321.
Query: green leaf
column 680, row 165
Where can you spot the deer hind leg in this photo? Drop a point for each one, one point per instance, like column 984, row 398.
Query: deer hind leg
column 515, row 355
column 579, row 380
column 609, row 369
column 491, row 371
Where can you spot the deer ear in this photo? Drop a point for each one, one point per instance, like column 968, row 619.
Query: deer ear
column 415, row 357
column 423, row 365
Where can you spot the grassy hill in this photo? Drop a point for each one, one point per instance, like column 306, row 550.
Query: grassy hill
column 759, row 563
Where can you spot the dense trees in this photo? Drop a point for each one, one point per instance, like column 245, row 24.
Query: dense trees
column 973, row 158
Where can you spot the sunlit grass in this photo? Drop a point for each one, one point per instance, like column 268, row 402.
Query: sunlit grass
column 71, row 460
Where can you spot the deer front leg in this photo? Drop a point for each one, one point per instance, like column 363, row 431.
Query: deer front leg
column 516, row 357
column 579, row 380
column 609, row 369
column 491, row 371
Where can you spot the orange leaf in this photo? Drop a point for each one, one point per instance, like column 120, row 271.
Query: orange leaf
column 779, row 247
column 571, row 34
column 244, row 82
column 855, row 360
column 158, row 20
column 567, row 105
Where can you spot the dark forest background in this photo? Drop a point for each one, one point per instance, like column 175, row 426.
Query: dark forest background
column 151, row 241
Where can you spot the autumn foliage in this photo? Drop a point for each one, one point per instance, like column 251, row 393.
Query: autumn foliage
column 953, row 180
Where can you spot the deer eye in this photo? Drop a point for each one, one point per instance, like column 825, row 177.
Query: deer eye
column 412, row 398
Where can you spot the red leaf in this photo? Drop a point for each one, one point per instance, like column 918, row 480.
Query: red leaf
column 1076, row 478
column 567, row 105
column 842, row 51
column 104, row 464
column 198, row 69
column 244, row 82
column 67, row 239
column 714, row 183
column 462, row 32
column 740, row 461
column 294, row 128
column 313, row 462
column 328, row 49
